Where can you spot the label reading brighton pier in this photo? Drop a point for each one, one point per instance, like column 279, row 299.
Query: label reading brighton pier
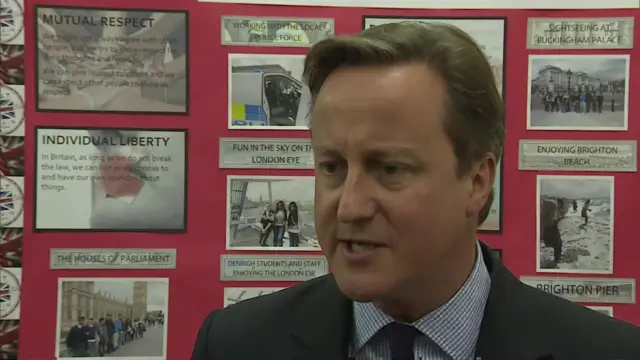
column 594, row 290
column 570, row 155
column 112, row 259
column 265, row 154
column 271, row 268
column 266, row 31
column 577, row 33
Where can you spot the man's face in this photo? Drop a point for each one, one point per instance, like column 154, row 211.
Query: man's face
column 81, row 321
column 386, row 175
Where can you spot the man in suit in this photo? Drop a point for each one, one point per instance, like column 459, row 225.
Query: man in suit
column 408, row 128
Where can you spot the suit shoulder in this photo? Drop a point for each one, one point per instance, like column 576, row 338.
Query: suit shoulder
column 576, row 328
column 268, row 308
column 226, row 332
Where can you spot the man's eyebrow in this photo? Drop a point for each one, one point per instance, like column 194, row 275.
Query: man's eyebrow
column 376, row 151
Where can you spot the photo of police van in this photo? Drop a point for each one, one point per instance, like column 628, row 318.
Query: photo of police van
column 267, row 96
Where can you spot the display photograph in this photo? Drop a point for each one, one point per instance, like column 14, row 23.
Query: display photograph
column 117, row 179
column 271, row 213
column 575, row 224
column 578, row 92
column 112, row 318
column 135, row 67
column 266, row 92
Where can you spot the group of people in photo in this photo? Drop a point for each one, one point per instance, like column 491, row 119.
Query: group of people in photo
column 91, row 338
column 578, row 101
column 552, row 213
column 276, row 222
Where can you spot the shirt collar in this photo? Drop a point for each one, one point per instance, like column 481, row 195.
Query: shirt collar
column 454, row 326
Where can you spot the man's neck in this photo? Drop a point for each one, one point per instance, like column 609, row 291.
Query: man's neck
column 419, row 300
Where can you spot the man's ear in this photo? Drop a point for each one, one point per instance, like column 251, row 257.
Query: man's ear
column 483, row 174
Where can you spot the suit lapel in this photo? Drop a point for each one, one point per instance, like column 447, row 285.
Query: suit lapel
column 507, row 331
column 321, row 326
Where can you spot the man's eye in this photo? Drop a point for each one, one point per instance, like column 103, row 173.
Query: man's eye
column 328, row 168
column 391, row 169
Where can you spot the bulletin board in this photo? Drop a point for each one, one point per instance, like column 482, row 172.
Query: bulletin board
column 136, row 164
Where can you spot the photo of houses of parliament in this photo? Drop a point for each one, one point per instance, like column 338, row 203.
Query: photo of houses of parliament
column 79, row 298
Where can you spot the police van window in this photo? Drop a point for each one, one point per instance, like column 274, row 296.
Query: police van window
column 283, row 96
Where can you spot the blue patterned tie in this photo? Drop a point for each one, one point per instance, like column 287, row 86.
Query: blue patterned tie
column 401, row 338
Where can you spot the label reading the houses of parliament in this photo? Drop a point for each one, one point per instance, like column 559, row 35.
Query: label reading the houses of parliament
column 112, row 259
column 587, row 290
column 272, row 268
column 571, row 155
column 265, row 153
column 580, row 33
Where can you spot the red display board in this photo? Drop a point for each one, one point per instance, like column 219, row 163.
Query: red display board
column 195, row 125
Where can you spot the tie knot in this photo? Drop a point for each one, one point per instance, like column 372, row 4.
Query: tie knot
column 401, row 338
column 400, row 329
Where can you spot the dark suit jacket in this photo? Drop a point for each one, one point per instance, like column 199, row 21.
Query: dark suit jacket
column 313, row 321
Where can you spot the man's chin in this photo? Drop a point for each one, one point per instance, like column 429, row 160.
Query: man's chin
column 360, row 289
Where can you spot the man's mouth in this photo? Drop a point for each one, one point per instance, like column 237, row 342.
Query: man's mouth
column 360, row 247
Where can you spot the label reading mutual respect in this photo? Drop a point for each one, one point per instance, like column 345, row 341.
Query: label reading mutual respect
column 243, row 153
column 100, row 21
column 570, row 155
column 580, row 33
column 112, row 259
column 589, row 290
column 272, row 268
column 268, row 31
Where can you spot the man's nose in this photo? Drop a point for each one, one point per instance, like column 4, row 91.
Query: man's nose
column 356, row 200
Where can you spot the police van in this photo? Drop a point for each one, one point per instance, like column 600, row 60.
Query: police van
column 263, row 96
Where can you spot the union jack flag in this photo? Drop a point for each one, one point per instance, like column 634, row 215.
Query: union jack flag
column 10, row 247
column 9, row 339
column 7, row 200
column 7, row 109
column 6, row 296
column 7, row 17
